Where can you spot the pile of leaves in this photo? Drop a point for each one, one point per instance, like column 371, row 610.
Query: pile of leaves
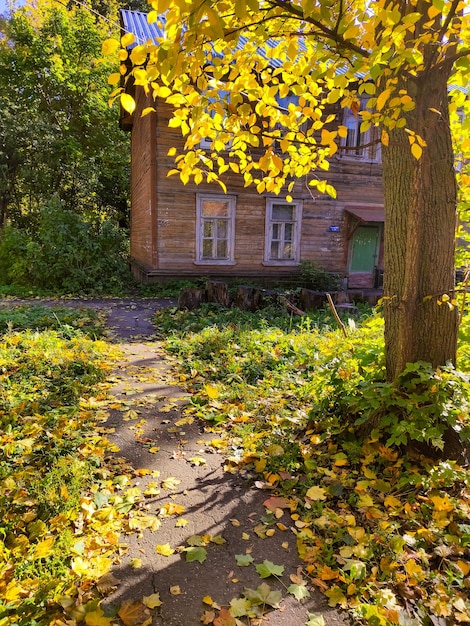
column 59, row 511
column 383, row 529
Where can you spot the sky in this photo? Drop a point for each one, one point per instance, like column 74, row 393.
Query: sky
column 4, row 5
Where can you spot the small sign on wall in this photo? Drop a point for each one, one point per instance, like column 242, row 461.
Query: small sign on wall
column 334, row 229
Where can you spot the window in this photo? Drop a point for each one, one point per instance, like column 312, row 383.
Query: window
column 282, row 243
column 215, row 229
column 356, row 145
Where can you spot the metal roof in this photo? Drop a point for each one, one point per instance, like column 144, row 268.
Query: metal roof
column 136, row 23
column 367, row 214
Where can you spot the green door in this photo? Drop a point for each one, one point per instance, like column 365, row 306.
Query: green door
column 365, row 249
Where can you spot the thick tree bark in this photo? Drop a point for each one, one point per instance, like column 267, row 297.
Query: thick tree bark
column 420, row 218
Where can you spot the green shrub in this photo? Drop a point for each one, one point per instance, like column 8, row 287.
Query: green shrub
column 67, row 254
column 317, row 278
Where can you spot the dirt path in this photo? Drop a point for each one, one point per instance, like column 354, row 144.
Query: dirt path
column 181, row 469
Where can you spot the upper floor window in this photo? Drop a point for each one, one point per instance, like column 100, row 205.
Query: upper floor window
column 282, row 236
column 215, row 229
column 359, row 145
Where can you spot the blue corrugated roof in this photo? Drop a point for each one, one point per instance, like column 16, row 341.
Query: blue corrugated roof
column 136, row 22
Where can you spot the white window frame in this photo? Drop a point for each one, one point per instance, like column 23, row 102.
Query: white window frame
column 270, row 222
column 353, row 121
column 202, row 219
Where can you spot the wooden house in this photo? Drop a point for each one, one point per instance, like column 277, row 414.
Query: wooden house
column 180, row 231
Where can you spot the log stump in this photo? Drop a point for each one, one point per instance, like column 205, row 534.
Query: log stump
column 217, row 291
column 248, row 298
column 191, row 298
column 312, row 300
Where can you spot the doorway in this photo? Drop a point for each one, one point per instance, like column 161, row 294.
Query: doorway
column 364, row 255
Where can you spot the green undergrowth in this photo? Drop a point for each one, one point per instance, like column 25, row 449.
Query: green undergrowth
column 383, row 529
column 67, row 321
column 53, row 475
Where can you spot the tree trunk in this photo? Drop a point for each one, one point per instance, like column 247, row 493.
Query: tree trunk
column 191, row 298
column 420, row 218
column 248, row 298
column 217, row 291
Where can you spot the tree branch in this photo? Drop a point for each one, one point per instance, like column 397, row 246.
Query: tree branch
column 325, row 32
column 449, row 18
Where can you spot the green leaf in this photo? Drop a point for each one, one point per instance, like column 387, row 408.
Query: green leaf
column 218, row 540
column 267, row 568
column 239, row 607
column 243, row 560
column 195, row 540
column 195, row 554
column 299, row 591
column 315, row 619
column 264, row 595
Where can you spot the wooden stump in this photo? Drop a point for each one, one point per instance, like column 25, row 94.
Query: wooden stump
column 191, row 298
column 217, row 291
column 341, row 297
column 248, row 298
column 312, row 300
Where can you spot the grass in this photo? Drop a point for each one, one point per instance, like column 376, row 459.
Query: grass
column 384, row 531
column 52, row 383
column 66, row 321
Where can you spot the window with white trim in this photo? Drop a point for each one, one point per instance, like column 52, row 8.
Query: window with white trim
column 359, row 145
column 215, row 229
column 282, row 239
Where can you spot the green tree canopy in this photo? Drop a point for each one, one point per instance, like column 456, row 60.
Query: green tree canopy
column 58, row 135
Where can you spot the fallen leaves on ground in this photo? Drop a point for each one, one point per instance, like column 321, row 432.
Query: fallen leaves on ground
column 382, row 533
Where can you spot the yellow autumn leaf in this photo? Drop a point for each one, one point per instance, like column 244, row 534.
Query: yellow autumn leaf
column 382, row 99
column 127, row 40
column 414, row 571
column 164, row 549
column 148, row 110
column 43, row 548
column 134, row 613
column 416, row 151
column 464, row 566
column 197, row 460
column 136, row 563
column 152, row 17
column 171, row 508
column 316, row 493
column 114, row 78
column 175, row 590
column 109, row 46
column 152, row 601
column 364, row 501
column 97, row 618
column 171, row 482
column 208, row 600
column 127, row 102
column 181, row 523
column 211, row 391
column 442, row 503
column 392, row 502
column 13, row 591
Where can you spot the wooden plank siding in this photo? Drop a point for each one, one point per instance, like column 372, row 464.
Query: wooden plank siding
column 163, row 215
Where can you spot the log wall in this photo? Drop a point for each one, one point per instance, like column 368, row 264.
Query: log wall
column 163, row 239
